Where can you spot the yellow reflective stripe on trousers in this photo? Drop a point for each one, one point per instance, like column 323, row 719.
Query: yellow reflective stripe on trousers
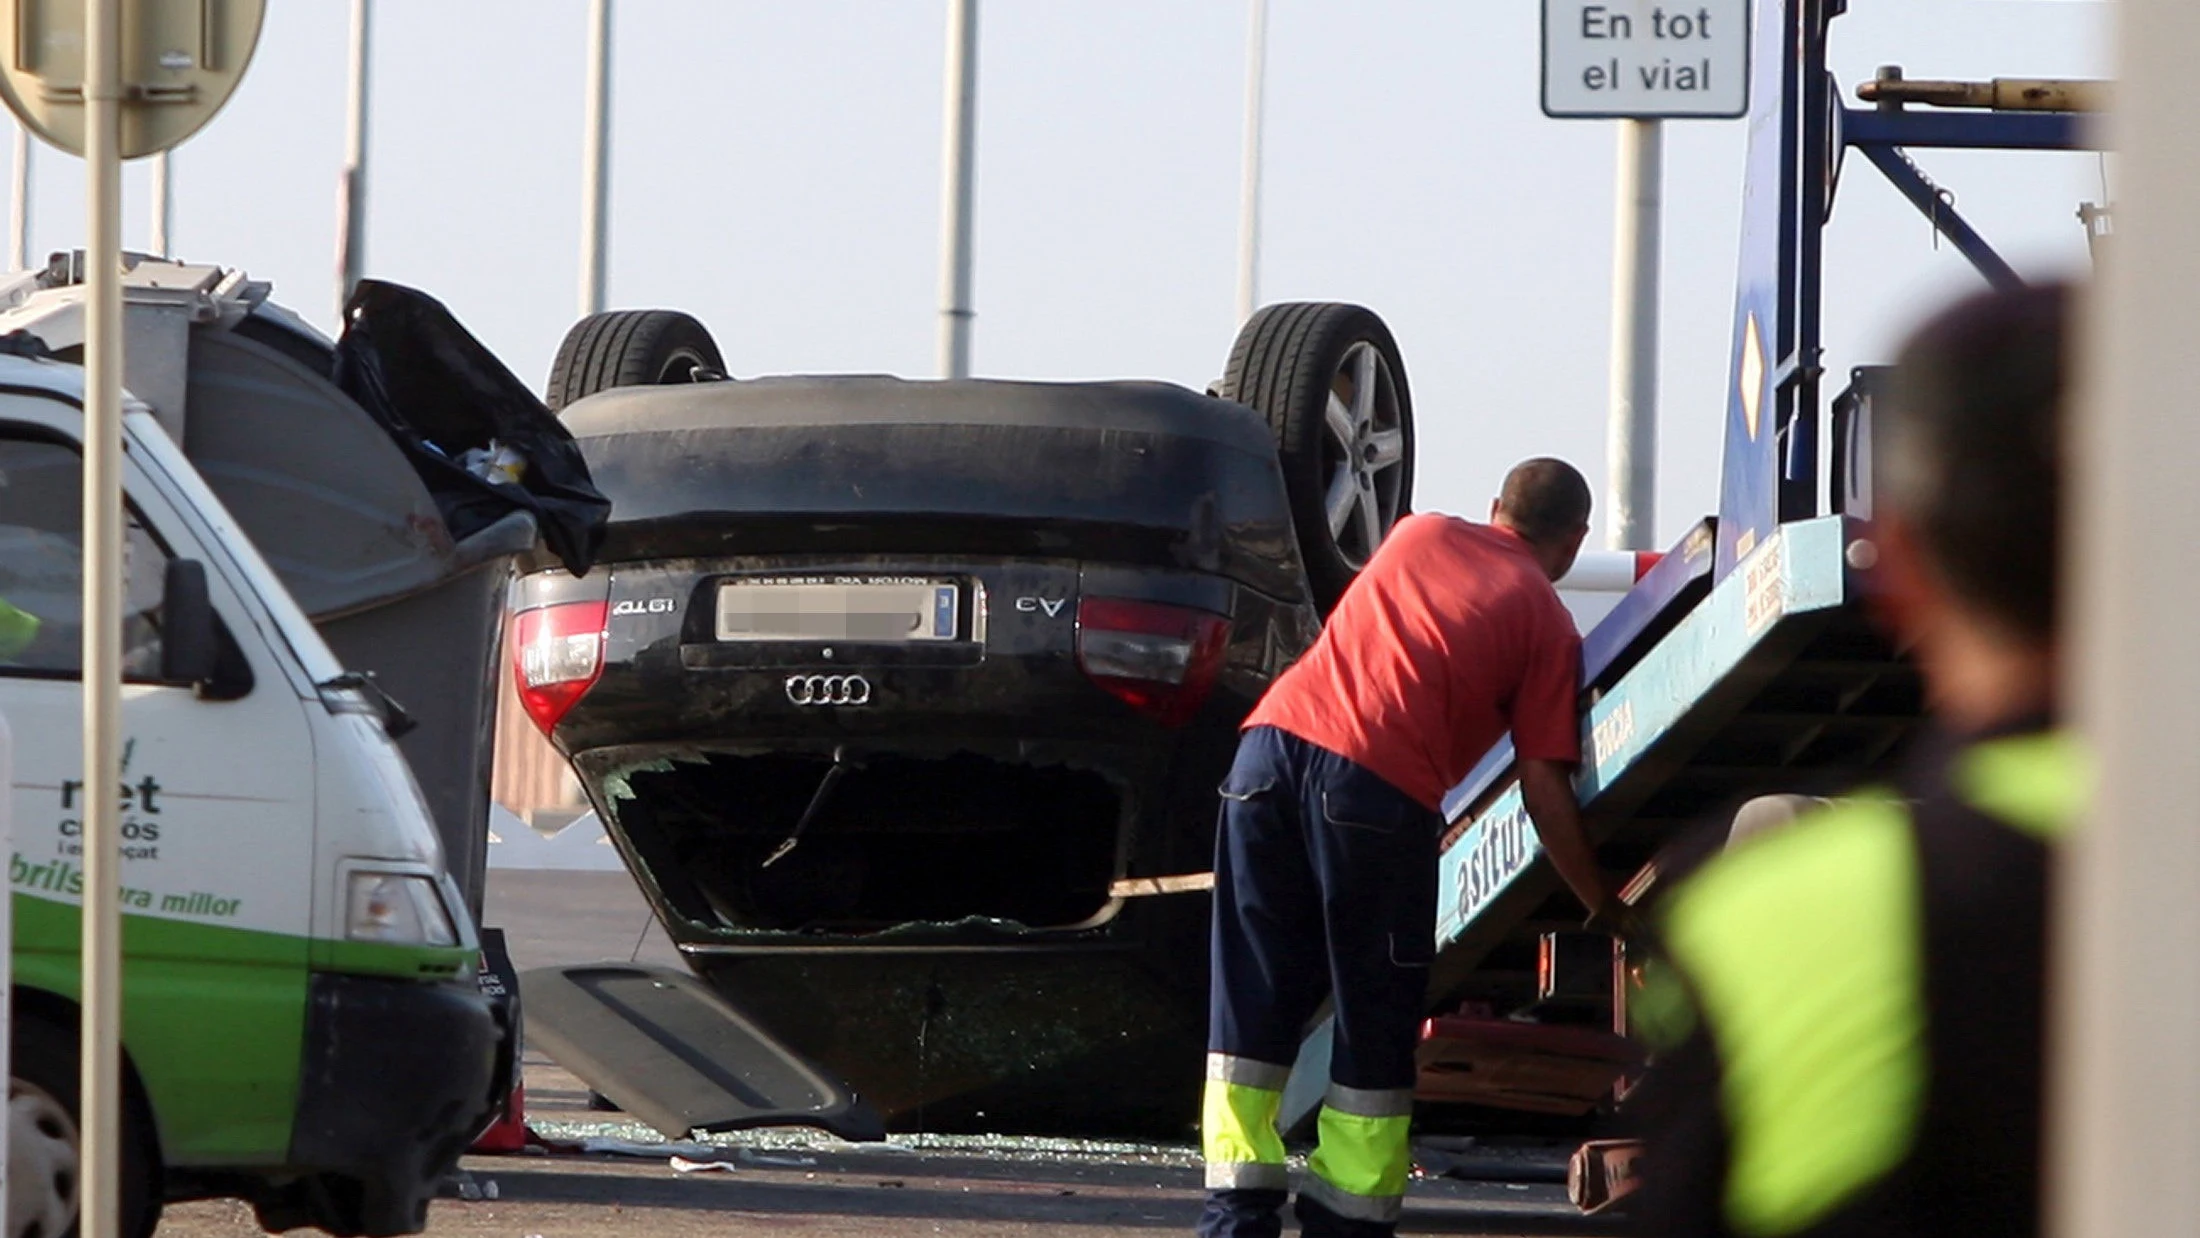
column 1237, row 1125
column 1361, row 1165
column 1252, row 1072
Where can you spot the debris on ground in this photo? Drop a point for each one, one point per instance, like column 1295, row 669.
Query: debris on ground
column 716, row 1164
column 466, row 1185
column 1470, row 1160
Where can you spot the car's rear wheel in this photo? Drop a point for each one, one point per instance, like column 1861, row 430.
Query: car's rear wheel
column 1332, row 386
column 45, row 1158
column 631, row 348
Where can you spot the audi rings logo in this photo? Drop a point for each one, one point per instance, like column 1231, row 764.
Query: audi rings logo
column 828, row 689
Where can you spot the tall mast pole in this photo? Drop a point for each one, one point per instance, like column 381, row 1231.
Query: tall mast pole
column 958, row 183
column 1256, row 79
column 351, row 241
column 596, row 160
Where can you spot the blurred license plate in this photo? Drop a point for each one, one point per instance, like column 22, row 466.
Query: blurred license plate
column 849, row 609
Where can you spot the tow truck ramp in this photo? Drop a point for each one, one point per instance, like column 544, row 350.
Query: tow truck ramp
column 1769, row 679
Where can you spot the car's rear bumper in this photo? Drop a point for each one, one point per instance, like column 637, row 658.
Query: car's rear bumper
column 1013, row 671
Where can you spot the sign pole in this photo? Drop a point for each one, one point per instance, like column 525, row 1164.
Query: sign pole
column 186, row 61
column 101, row 1094
column 1632, row 439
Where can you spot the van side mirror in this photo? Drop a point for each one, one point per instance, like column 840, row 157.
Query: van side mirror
column 190, row 634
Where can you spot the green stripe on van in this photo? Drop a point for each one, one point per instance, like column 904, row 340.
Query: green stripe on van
column 213, row 1017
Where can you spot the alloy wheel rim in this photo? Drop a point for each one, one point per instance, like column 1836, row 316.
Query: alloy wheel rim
column 1363, row 454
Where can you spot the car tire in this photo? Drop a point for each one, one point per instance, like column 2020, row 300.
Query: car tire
column 44, row 1158
column 1328, row 379
column 631, row 348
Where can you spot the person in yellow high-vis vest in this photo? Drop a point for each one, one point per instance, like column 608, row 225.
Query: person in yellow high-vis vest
column 1849, row 1007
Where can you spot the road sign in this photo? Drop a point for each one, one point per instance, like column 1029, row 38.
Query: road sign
column 181, row 59
column 1646, row 59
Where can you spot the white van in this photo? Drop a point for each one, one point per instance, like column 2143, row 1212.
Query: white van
column 302, row 1024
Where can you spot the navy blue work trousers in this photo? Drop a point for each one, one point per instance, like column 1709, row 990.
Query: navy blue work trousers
column 1325, row 886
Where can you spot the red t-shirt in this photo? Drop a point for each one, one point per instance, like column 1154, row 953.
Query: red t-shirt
column 1449, row 638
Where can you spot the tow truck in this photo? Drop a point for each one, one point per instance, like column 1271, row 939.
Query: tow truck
column 1743, row 663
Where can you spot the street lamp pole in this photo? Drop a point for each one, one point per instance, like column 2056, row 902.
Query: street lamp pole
column 351, row 241
column 958, row 184
column 164, row 204
column 1256, row 83
column 19, row 200
column 596, row 159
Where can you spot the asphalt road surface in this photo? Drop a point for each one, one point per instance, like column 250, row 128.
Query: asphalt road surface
column 849, row 1193
column 610, row 1177
column 876, row 1194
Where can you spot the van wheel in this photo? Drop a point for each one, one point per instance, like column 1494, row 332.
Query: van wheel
column 1328, row 379
column 44, row 1152
column 631, row 348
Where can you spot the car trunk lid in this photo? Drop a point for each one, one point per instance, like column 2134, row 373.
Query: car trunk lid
column 1135, row 473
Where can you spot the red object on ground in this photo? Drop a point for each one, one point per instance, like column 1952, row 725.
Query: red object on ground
column 509, row 1132
column 1603, row 1173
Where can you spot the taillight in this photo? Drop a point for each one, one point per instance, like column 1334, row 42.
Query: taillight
column 1161, row 660
column 557, row 656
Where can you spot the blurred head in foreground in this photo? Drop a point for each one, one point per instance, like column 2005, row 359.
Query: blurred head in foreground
column 1967, row 471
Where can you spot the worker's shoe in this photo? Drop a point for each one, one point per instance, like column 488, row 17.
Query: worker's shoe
column 1242, row 1214
column 1318, row 1220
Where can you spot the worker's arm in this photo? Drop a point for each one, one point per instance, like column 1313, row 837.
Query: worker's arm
column 1547, row 787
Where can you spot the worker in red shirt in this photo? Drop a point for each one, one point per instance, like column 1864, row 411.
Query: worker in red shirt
column 1325, row 858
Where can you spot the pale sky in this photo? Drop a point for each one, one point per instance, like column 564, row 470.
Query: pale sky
column 776, row 173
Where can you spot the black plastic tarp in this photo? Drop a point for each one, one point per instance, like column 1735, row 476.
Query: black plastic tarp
column 407, row 361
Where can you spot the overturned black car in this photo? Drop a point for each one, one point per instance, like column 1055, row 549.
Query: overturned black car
column 904, row 701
